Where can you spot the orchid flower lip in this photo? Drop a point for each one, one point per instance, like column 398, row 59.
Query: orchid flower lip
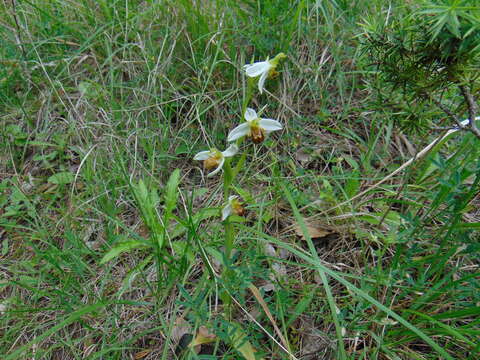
column 219, row 167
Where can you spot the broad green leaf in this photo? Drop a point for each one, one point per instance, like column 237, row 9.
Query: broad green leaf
column 61, row 178
column 121, row 247
column 352, row 185
column 142, row 192
column 171, row 194
column 244, row 194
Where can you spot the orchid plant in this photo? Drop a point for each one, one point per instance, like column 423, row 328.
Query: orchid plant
column 254, row 128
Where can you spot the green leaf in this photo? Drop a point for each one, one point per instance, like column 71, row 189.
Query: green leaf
column 468, row 226
column 183, row 248
column 4, row 251
column 46, row 157
column 448, row 329
column 122, row 247
column 352, row 185
column 16, row 132
column 300, row 308
column 142, row 192
column 244, row 194
column 61, row 178
column 171, row 194
column 202, row 214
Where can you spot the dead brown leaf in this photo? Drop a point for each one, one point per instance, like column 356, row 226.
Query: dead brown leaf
column 315, row 230
column 142, row 354
column 204, row 336
column 265, row 308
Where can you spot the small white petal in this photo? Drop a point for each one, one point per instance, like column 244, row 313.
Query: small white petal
column 270, row 124
column 230, row 151
column 232, row 197
column 202, row 155
column 250, row 114
column 227, row 211
column 219, row 167
column 258, row 68
column 238, row 132
column 261, row 81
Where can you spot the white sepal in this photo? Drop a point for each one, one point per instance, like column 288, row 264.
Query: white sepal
column 203, row 155
column 240, row 131
column 250, row 114
column 270, row 124
column 258, row 68
column 230, row 151
column 261, row 81
column 227, row 211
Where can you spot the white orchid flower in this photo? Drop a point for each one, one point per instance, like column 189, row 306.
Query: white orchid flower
column 255, row 127
column 261, row 69
column 234, row 206
column 264, row 69
column 214, row 159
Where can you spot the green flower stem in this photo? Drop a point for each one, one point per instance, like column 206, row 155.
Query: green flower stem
column 227, row 179
column 229, row 235
column 229, row 232
column 251, row 83
column 229, row 174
